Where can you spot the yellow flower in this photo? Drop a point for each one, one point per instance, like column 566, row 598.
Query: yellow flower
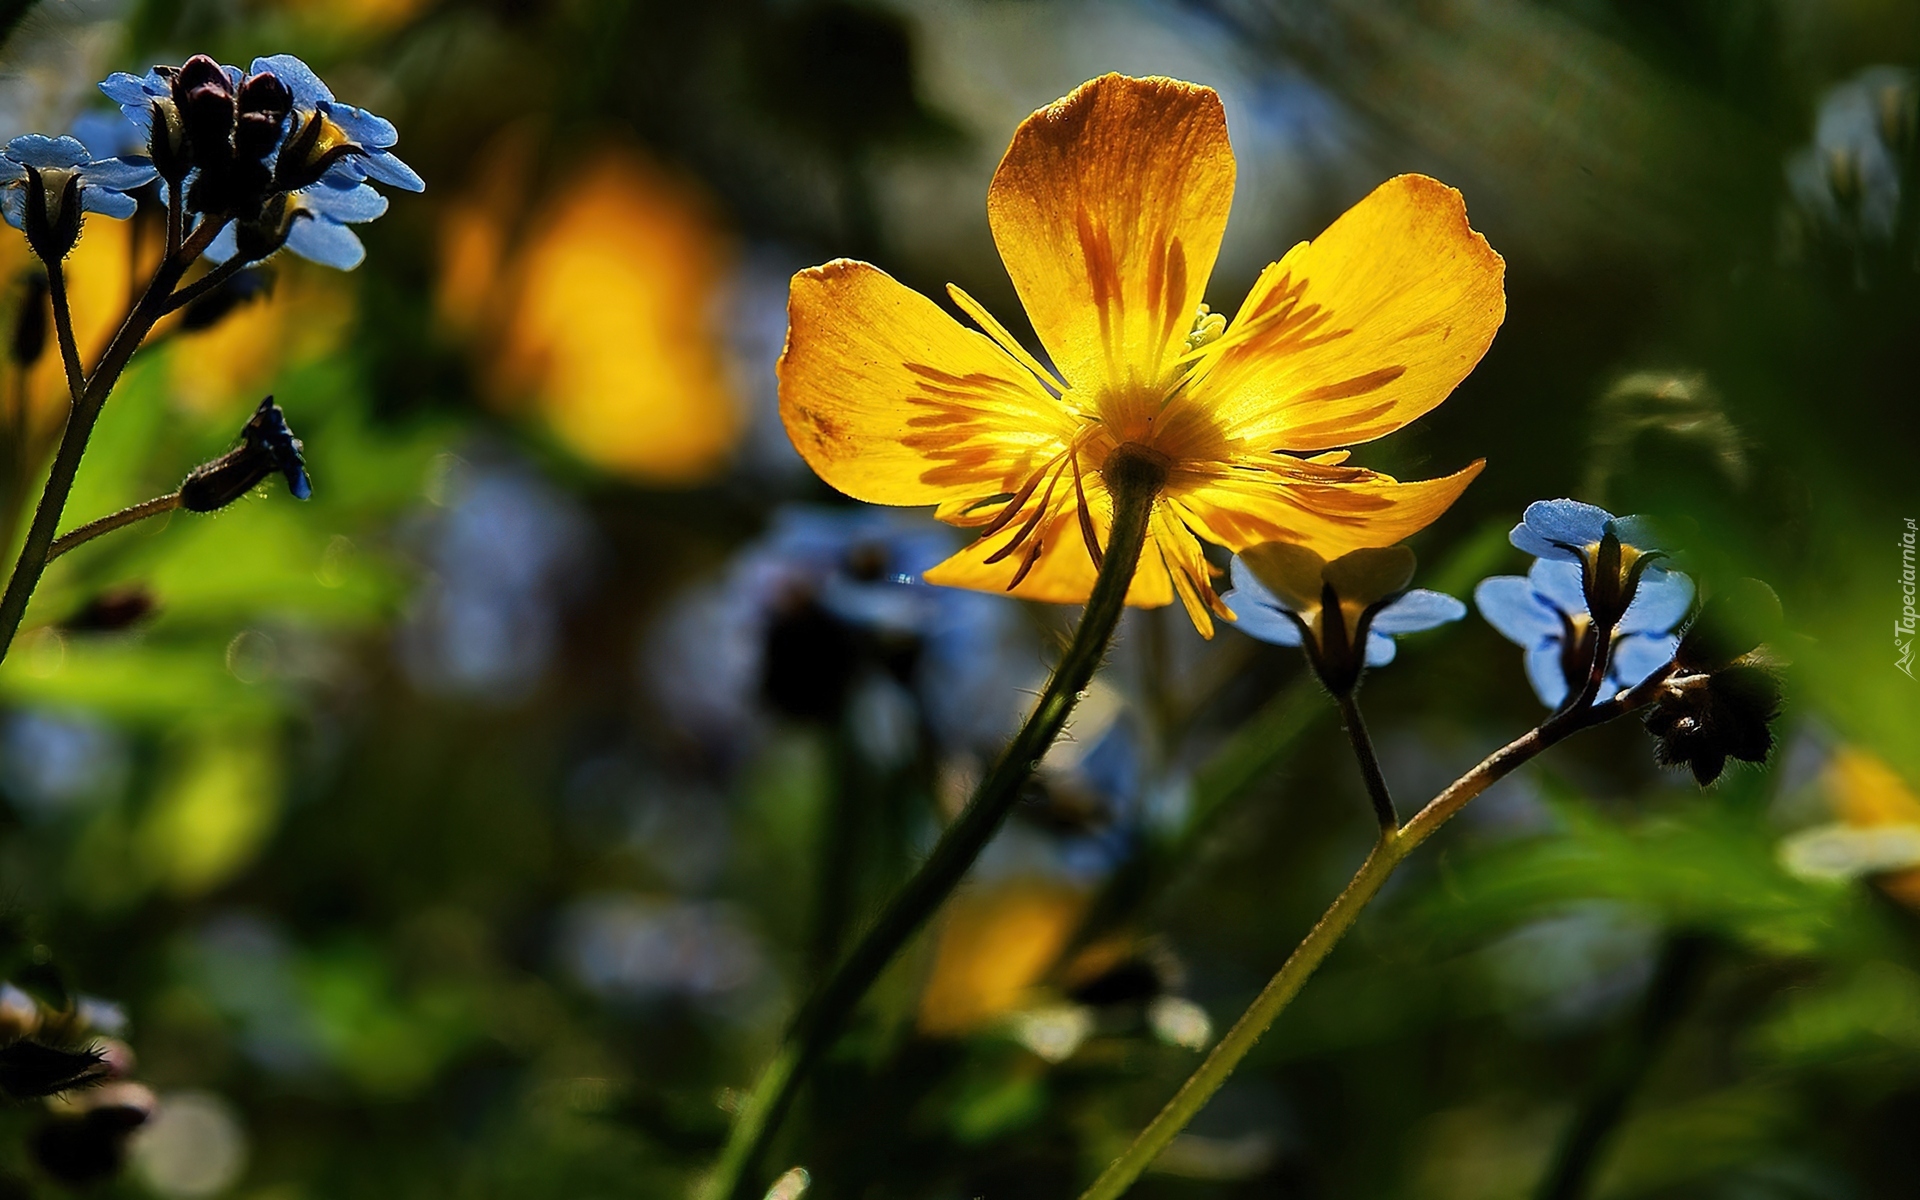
column 1108, row 210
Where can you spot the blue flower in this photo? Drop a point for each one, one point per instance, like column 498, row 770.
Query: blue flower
column 314, row 224
column 1545, row 613
column 103, row 183
column 1285, row 594
column 1613, row 552
column 319, row 165
column 357, row 144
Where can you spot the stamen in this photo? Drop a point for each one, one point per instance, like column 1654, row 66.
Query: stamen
column 1014, row 505
column 1087, row 534
column 1026, row 564
column 1207, row 327
column 998, row 332
column 1026, row 530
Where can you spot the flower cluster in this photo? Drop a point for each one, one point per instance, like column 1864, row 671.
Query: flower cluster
column 268, row 149
column 1595, row 575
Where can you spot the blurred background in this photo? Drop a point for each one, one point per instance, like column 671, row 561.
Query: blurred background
column 471, row 829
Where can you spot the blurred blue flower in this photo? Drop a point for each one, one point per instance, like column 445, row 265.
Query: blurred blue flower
column 103, row 182
column 1849, row 177
column 823, row 596
column 1545, row 613
column 106, row 134
column 1280, row 595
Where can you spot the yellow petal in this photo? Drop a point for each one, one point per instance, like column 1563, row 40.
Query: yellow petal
column 1108, row 210
column 1186, row 568
column 1330, row 516
column 1361, row 330
column 1063, row 571
column 892, row 401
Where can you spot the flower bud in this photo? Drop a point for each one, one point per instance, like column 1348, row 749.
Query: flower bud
column 203, row 94
column 266, row 446
column 52, row 216
column 263, row 105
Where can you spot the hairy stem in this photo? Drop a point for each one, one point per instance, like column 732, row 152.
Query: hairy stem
column 112, row 521
column 1392, row 849
column 825, row 1014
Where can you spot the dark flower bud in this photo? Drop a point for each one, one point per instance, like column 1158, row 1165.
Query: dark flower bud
column 30, row 1070
column 1722, row 698
column 167, row 142
column 91, row 1146
column 241, row 288
column 112, row 610
column 263, row 105
column 266, row 446
column 260, row 236
column 52, row 216
column 316, row 145
column 30, row 321
column 1700, row 721
column 811, row 661
column 204, row 95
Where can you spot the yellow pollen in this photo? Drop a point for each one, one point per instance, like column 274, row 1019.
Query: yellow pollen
column 1207, row 327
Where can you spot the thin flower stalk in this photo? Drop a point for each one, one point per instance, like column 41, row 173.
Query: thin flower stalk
column 1135, row 484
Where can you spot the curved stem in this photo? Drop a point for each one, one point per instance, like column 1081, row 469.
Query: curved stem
column 1383, row 810
column 113, row 521
column 821, row 1019
column 1392, row 848
column 63, row 330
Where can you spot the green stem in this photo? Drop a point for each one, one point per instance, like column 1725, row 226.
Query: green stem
column 113, row 521
column 140, row 320
column 1392, row 848
column 1134, row 481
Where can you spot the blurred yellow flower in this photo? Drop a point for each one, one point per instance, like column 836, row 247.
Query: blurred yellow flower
column 99, row 282
column 1108, row 211
column 995, row 945
column 218, row 370
column 1866, row 793
column 606, row 317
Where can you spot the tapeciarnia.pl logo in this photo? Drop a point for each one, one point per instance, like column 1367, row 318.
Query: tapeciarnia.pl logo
column 1903, row 626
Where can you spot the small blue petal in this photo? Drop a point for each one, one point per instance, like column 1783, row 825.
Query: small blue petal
column 1247, row 585
column 123, row 88
column 118, row 174
column 1551, row 525
column 1660, row 603
column 13, row 206
column 388, row 169
column 223, row 246
column 1637, row 656
column 11, row 171
column 352, row 205
column 1417, row 610
column 368, row 131
column 106, row 203
column 1262, row 621
column 326, row 243
column 1559, row 585
column 1512, row 606
column 1381, row 648
column 1544, row 673
column 308, row 91
column 299, row 484
column 108, row 132
column 39, row 150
